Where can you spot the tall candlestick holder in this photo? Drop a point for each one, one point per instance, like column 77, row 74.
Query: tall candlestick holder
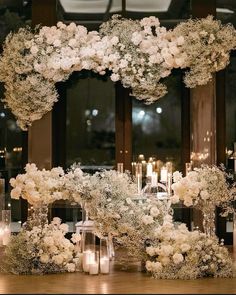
column 120, row 167
column 188, row 168
column 139, row 177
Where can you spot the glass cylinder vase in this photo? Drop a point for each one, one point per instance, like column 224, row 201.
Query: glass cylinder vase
column 104, row 256
column 209, row 220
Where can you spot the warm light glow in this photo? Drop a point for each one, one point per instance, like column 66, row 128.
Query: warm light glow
column 159, row 110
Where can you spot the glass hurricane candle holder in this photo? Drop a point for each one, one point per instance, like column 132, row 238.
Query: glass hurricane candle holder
column 6, row 217
column 104, row 256
column 88, row 247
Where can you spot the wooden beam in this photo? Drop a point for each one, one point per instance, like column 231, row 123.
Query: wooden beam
column 202, row 8
column 40, row 133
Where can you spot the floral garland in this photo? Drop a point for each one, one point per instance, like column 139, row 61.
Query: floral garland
column 138, row 53
column 146, row 229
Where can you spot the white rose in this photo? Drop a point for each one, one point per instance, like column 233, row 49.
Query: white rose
column 76, row 238
column 178, row 258
column 150, row 251
column 48, row 241
column 188, row 201
column 70, row 267
column 115, row 77
column 165, row 260
column 64, row 227
column 174, row 199
column 57, row 43
column 177, row 176
column 34, row 50
column 56, row 221
column 174, row 50
column 57, row 259
column 149, row 265
column 180, row 40
column 15, row 193
column 154, row 211
column 44, row 258
column 147, row 219
column 204, row 195
column 185, row 247
column 72, row 42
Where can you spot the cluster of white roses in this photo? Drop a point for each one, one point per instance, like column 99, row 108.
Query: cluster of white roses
column 39, row 187
column 204, row 185
column 177, row 253
column 51, row 247
column 43, row 249
column 138, row 53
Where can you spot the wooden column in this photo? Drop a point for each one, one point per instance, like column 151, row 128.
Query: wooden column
column 40, row 133
column 123, row 126
column 203, row 111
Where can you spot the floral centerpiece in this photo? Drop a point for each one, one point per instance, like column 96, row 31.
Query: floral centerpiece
column 146, row 230
column 40, row 188
column 176, row 253
column 43, row 249
column 112, row 206
column 204, row 188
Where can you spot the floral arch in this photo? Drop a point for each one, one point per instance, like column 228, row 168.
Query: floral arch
column 138, row 53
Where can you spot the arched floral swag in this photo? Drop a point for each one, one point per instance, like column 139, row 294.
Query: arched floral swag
column 138, row 53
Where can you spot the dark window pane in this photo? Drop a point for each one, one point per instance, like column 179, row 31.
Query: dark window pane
column 230, row 104
column 13, row 15
column 226, row 11
column 91, row 123
column 157, row 127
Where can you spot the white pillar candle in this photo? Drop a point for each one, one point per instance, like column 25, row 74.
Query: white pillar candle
column 88, row 257
column 163, row 174
column 104, row 265
column 154, row 178
column 139, row 183
column 149, row 170
column 6, row 236
column 169, row 183
column 93, row 268
column 1, row 236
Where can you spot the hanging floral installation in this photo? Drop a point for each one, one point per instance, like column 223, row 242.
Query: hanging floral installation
column 146, row 230
column 137, row 53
